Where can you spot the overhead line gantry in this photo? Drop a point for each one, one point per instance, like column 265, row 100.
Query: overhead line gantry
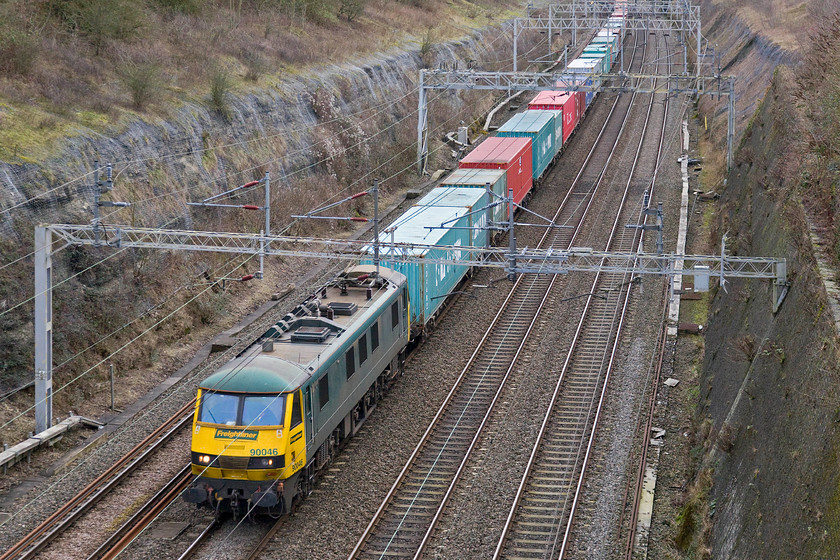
column 511, row 260
column 679, row 16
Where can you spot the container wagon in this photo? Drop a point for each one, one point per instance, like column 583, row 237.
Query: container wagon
column 569, row 103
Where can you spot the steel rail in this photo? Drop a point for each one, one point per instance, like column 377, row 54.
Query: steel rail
column 660, row 352
column 37, row 539
column 590, row 444
column 454, row 481
column 255, row 552
column 433, row 423
column 149, row 513
column 403, row 474
column 576, row 343
column 109, row 549
column 193, row 548
column 640, row 473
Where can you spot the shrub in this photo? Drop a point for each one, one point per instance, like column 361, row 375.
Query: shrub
column 189, row 7
column 143, row 82
column 427, row 48
column 351, row 9
column 18, row 52
column 255, row 63
column 220, row 84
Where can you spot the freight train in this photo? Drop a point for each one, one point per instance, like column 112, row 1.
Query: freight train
column 267, row 423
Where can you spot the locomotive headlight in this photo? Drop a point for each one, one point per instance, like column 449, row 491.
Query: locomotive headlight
column 265, row 462
column 202, row 459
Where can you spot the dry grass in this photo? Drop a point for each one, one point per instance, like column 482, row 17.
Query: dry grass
column 53, row 61
column 784, row 22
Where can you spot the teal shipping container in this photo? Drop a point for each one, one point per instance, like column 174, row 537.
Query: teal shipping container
column 598, row 51
column 428, row 283
column 474, row 201
column 610, row 40
column 478, row 179
column 541, row 128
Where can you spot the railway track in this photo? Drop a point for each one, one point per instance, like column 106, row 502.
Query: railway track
column 540, row 520
column 42, row 535
column 143, row 517
column 405, row 521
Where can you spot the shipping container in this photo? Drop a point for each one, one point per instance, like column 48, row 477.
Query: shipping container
column 473, row 200
column 539, row 126
column 581, row 104
column 570, row 103
column 587, row 66
column 478, row 179
column 428, row 283
column 610, row 38
column 514, row 155
column 598, row 51
column 616, row 24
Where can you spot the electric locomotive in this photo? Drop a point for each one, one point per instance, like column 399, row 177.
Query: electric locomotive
column 267, row 422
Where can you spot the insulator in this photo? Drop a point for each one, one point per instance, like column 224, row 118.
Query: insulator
column 246, row 278
column 251, row 207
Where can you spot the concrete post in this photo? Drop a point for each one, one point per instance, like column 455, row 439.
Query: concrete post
column 422, row 117
column 730, row 129
column 43, row 329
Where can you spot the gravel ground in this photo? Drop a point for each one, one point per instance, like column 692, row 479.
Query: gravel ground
column 32, row 492
column 597, row 534
column 39, row 502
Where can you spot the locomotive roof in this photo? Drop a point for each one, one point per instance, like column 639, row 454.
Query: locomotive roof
column 290, row 364
column 257, row 374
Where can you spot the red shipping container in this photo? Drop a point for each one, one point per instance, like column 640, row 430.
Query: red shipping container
column 570, row 103
column 514, row 155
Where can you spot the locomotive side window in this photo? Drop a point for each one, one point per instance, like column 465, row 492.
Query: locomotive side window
column 219, row 408
column 263, row 410
column 395, row 315
column 363, row 353
column 374, row 337
column 350, row 362
column 297, row 417
column 324, row 390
